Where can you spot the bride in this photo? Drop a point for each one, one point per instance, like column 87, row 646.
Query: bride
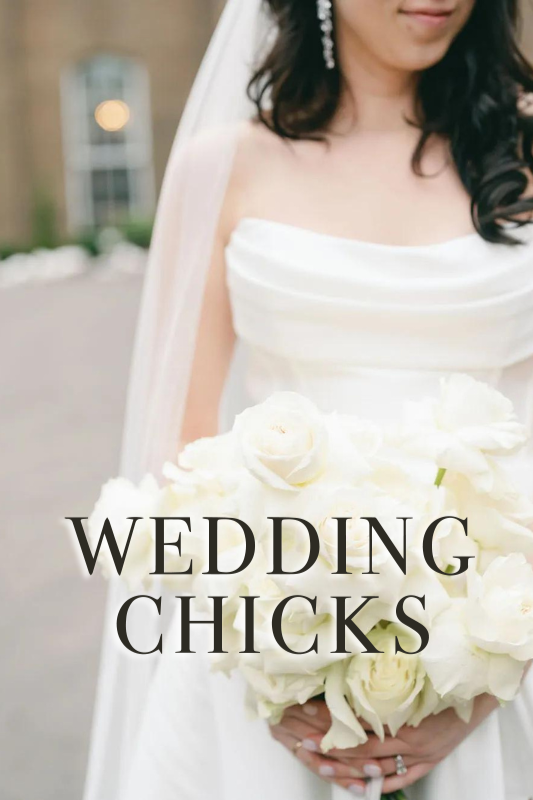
column 344, row 215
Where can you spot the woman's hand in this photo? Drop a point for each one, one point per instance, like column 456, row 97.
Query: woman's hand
column 301, row 730
column 422, row 748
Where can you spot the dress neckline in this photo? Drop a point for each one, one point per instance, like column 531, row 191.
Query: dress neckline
column 297, row 230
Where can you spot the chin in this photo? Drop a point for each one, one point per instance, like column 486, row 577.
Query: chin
column 422, row 57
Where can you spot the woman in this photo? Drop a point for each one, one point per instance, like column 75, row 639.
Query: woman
column 363, row 232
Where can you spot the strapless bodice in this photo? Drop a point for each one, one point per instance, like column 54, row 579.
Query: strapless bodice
column 359, row 326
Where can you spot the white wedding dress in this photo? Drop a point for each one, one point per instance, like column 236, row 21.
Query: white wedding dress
column 357, row 327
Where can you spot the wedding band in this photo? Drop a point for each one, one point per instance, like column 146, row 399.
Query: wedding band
column 296, row 747
column 401, row 769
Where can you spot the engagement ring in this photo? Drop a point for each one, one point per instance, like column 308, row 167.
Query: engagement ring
column 401, row 769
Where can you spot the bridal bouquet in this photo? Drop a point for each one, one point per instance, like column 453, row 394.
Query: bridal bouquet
column 387, row 569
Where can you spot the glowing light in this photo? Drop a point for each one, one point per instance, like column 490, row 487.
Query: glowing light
column 112, row 115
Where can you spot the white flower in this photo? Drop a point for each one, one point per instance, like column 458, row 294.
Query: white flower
column 346, row 731
column 454, row 666
column 354, row 445
column 283, row 440
column 271, row 694
column 212, row 459
column 450, row 543
column 193, row 501
column 357, row 504
column 465, row 428
column 390, row 688
column 285, row 459
column 460, row 670
column 421, row 581
column 499, row 610
column 502, row 525
column 479, row 416
column 119, row 500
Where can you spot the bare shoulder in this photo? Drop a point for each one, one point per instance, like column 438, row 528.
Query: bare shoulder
column 259, row 154
column 249, row 143
column 263, row 162
column 257, row 143
column 229, row 156
column 247, row 157
column 213, row 146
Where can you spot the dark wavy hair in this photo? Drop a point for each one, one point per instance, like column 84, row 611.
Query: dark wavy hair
column 474, row 97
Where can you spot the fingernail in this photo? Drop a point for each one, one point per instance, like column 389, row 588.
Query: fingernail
column 326, row 771
column 357, row 790
column 308, row 744
column 372, row 770
column 310, row 710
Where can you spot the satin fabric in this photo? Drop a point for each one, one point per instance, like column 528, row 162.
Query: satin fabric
column 357, row 327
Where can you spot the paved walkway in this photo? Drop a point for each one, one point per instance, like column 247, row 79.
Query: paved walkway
column 64, row 357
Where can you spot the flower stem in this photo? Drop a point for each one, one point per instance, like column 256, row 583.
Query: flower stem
column 440, row 476
column 394, row 796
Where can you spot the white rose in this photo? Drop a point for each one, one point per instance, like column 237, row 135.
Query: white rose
column 454, row 665
column 459, row 670
column 354, row 445
column 212, row 459
column 469, row 424
column 236, row 582
column 499, row 610
column 450, row 543
column 271, row 694
column 355, row 504
column 390, row 688
column 301, row 628
column 195, row 499
column 119, row 500
column 346, row 731
column 502, row 525
column 283, row 441
column 478, row 415
column 421, row 581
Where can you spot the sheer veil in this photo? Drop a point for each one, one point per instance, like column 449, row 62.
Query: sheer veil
column 191, row 199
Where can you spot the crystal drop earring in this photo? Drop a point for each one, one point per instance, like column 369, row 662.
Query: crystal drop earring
column 325, row 16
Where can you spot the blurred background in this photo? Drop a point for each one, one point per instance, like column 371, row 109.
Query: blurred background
column 91, row 93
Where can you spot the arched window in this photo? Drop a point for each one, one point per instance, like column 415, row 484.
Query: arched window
column 108, row 142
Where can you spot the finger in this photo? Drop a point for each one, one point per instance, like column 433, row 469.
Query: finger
column 374, row 748
column 316, row 713
column 303, row 731
column 356, row 788
column 398, row 782
column 321, row 765
column 386, row 766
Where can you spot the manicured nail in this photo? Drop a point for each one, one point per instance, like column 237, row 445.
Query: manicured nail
column 310, row 710
column 357, row 790
column 326, row 771
column 372, row 770
column 308, row 744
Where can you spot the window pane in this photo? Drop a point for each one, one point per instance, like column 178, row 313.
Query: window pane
column 108, row 155
column 111, row 195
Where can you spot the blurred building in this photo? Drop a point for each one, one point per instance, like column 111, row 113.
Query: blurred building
column 91, row 93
